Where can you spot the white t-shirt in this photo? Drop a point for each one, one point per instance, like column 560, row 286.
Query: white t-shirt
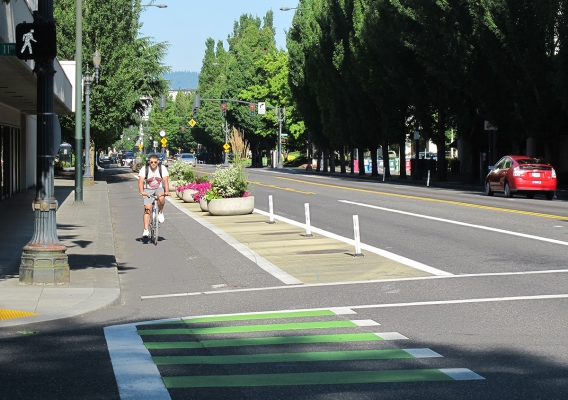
column 154, row 181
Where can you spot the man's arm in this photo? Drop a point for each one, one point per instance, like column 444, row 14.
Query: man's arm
column 141, row 180
column 166, row 185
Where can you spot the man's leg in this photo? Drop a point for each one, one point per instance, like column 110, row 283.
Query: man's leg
column 161, row 200
column 147, row 212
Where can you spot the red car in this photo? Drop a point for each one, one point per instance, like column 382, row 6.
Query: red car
column 521, row 174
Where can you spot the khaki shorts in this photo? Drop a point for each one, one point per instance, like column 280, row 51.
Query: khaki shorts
column 150, row 200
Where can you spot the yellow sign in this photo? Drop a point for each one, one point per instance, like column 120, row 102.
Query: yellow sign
column 140, row 146
column 164, row 141
column 226, row 147
column 192, row 122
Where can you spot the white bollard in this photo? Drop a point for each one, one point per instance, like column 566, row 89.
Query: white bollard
column 308, row 227
column 270, row 210
column 384, row 175
column 428, row 180
column 357, row 237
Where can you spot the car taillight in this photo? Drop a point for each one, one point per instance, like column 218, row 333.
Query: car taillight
column 516, row 171
column 553, row 172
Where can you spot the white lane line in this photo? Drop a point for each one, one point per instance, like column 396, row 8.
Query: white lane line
column 449, row 221
column 391, row 336
column 464, row 301
column 461, row 374
column 380, row 252
column 365, row 322
column 241, row 248
column 422, row 353
column 137, row 375
column 311, row 285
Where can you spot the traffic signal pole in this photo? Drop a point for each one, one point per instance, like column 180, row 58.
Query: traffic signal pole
column 43, row 259
column 280, row 115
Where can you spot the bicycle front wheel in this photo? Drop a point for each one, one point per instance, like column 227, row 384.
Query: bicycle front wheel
column 155, row 224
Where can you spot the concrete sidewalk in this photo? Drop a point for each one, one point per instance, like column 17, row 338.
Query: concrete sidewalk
column 86, row 230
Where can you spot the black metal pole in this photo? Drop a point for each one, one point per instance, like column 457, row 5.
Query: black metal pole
column 43, row 259
column 78, row 101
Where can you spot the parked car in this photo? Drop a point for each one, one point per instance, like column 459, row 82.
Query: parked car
column 188, row 158
column 127, row 158
column 521, row 174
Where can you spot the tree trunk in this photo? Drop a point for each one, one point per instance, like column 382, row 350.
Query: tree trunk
column 402, row 159
column 342, row 159
column 442, row 170
column 331, row 154
column 386, row 167
column 361, row 161
column 374, row 162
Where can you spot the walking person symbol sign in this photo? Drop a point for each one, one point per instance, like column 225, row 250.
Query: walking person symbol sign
column 36, row 41
column 28, row 38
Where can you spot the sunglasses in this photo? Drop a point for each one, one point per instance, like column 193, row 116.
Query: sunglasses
column 153, row 162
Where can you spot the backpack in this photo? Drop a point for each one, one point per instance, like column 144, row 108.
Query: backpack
column 159, row 169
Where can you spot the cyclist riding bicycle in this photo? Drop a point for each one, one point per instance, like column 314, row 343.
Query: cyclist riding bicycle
column 153, row 180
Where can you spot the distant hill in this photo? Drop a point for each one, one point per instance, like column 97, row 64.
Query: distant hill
column 182, row 79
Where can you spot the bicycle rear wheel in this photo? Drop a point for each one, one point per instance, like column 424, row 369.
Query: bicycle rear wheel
column 155, row 225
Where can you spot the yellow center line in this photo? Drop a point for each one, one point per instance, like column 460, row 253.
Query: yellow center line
column 456, row 203
column 281, row 188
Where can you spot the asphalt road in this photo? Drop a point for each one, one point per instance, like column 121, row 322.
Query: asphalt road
column 497, row 312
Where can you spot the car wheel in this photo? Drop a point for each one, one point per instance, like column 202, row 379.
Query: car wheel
column 549, row 195
column 488, row 191
column 530, row 195
column 508, row 190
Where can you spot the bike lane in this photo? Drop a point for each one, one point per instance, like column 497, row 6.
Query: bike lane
column 282, row 354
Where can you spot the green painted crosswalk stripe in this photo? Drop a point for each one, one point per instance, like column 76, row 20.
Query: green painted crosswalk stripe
column 250, row 317
column 349, row 355
column 313, row 378
column 263, row 341
column 249, row 328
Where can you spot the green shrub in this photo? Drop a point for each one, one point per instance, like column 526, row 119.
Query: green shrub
column 177, row 169
column 189, row 175
column 229, row 182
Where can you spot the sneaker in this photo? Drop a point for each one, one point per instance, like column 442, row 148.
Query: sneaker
column 146, row 233
column 161, row 218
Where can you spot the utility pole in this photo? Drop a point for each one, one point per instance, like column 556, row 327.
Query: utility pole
column 281, row 115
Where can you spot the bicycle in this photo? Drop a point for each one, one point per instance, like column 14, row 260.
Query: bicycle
column 154, row 223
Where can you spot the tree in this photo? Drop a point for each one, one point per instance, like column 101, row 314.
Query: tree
column 131, row 66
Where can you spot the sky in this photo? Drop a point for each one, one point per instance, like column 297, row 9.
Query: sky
column 186, row 24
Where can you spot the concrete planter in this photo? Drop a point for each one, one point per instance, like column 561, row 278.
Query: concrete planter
column 203, row 204
column 232, row 206
column 172, row 185
column 187, row 195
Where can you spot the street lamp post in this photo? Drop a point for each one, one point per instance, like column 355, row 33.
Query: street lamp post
column 43, row 259
column 281, row 115
column 225, row 125
column 88, row 177
column 291, row 8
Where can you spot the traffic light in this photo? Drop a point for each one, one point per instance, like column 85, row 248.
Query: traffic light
column 224, row 109
column 251, row 109
column 196, row 104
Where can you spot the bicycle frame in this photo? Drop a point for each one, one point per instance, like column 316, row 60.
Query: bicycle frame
column 154, row 223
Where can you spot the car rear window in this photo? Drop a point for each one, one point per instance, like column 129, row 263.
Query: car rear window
column 532, row 161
